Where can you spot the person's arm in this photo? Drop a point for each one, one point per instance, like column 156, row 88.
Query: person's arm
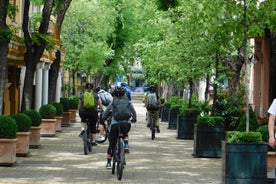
column 133, row 112
column 107, row 110
column 271, row 124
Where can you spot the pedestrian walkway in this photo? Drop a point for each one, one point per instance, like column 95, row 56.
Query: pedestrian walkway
column 165, row 160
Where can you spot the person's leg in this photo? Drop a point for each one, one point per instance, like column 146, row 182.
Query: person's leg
column 156, row 117
column 94, row 119
column 126, row 138
column 101, row 128
column 112, row 142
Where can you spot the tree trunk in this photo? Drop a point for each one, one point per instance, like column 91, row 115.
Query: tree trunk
column 4, row 43
column 272, row 69
column 53, row 75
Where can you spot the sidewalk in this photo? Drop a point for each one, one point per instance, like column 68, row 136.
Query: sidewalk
column 165, row 160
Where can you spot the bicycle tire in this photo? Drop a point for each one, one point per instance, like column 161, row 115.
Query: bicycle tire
column 85, row 147
column 152, row 127
column 120, row 163
column 113, row 166
column 106, row 134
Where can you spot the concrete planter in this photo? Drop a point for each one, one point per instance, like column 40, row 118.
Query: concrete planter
column 35, row 136
column 65, row 119
column 48, row 127
column 73, row 115
column 7, row 152
column 58, row 123
column 23, row 144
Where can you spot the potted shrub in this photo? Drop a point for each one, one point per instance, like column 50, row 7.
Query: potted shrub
column 8, row 129
column 209, row 131
column 35, row 128
column 174, row 103
column 48, row 123
column 271, row 156
column 24, row 124
column 73, row 102
column 66, row 114
column 244, row 158
column 58, row 115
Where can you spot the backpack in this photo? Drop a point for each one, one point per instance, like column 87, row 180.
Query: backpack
column 151, row 102
column 106, row 97
column 88, row 100
column 121, row 108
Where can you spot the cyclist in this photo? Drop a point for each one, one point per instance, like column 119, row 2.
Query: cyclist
column 90, row 114
column 119, row 99
column 155, row 112
column 127, row 90
column 101, row 92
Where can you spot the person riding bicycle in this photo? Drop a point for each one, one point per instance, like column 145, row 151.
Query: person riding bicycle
column 88, row 110
column 153, row 109
column 106, row 98
column 118, row 104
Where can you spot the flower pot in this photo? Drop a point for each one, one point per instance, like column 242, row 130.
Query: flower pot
column 73, row 115
column 48, row 127
column 23, row 144
column 173, row 118
column 58, row 123
column 185, row 127
column 35, row 136
column 7, row 152
column 207, row 140
column 165, row 113
column 65, row 119
column 244, row 163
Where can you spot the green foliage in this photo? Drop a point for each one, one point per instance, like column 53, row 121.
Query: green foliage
column 174, row 102
column 23, row 122
column 47, row 111
column 265, row 135
column 65, row 104
column 12, row 10
column 5, row 35
column 34, row 115
column 210, row 120
column 243, row 137
column 165, row 5
column 253, row 121
column 8, row 127
column 73, row 102
column 59, row 108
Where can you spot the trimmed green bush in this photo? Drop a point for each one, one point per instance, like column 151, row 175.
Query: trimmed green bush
column 34, row 115
column 253, row 121
column 8, row 127
column 243, row 137
column 23, row 122
column 265, row 135
column 59, row 108
column 47, row 111
column 65, row 104
column 73, row 102
column 210, row 120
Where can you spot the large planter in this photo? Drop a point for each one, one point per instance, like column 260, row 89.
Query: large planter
column 165, row 113
column 23, row 144
column 73, row 115
column 65, row 119
column 185, row 127
column 207, row 140
column 48, row 127
column 35, row 136
column 58, row 123
column 172, row 118
column 7, row 152
column 244, row 163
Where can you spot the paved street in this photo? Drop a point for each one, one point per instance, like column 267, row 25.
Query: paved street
column 165, row 160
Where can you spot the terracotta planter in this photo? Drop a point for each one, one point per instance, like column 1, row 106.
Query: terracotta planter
column 23, row 144
column 7, row 152
column 58, row 123
column 35, row 136
column 66, row 119
column 73, row 115
column 48, row 127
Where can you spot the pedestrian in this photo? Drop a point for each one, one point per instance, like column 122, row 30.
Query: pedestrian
column 271, row 124
column 88, row 110
column 122, row 110
column 128, row 92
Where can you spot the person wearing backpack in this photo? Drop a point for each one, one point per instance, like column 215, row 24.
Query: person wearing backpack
column 88, row 110
column 106, row 98
column 153, row 104
column 122, row 110
column 128, row 92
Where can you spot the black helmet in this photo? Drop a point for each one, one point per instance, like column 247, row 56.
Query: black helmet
column 152, row 88
column 119, row 91
column 89, row 85
column 98, row 89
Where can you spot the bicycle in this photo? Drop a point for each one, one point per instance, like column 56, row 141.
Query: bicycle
column 119, row 161
column 86, row 138
column 152, row 125
column 106, row 129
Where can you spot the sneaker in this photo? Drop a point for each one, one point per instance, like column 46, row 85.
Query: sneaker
column 94, row 144
column 108, row 165
column 157, row 130
column 81, row 133
column 101, row 138
column 126, row 149
column 148, row 125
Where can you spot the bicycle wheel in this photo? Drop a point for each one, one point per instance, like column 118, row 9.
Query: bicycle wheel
column 120, row 163
column 152, row 124
column 113, row 166
column 85, row 143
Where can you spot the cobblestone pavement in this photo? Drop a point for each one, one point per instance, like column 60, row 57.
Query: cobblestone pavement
column 167, row 160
